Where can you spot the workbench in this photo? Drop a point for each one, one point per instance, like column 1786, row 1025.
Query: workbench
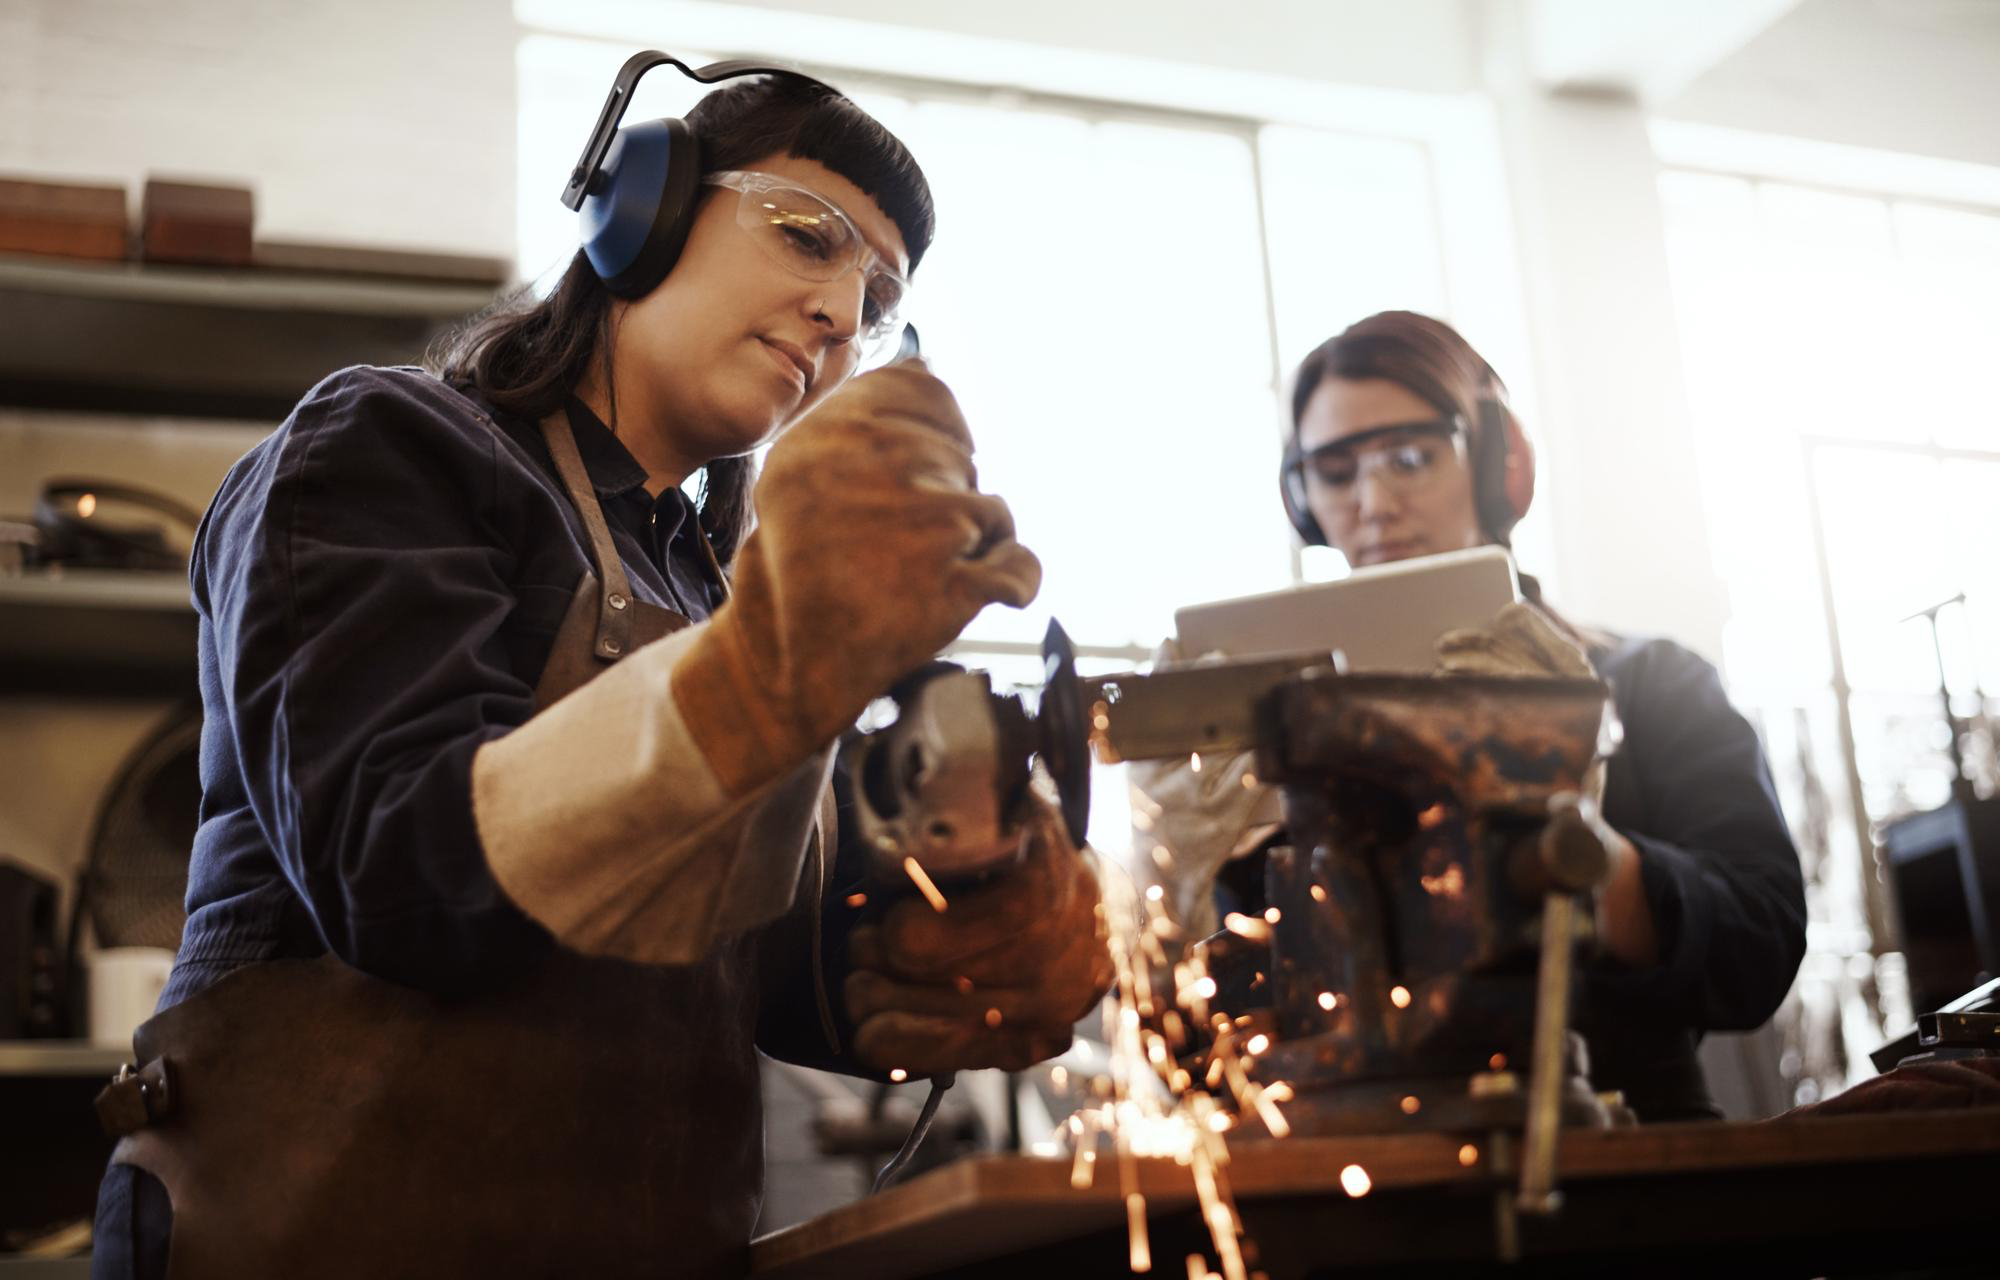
column 1787, row 1197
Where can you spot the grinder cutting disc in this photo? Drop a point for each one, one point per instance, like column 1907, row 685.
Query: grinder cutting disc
column 1064, row 736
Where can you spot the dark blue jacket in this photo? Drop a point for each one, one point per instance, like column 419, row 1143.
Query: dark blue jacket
column 378, row 584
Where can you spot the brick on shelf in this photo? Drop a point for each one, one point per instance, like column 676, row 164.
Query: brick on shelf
column 196, row 223
column 63, row 219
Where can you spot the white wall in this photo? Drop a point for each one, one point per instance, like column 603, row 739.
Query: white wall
column 364, row 121
column 1916, row 76
column 1422, row 45
column 1617, row 446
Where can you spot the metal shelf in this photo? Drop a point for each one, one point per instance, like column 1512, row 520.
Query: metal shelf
column 97, row 633
column 131, row 337
column 46, row 1058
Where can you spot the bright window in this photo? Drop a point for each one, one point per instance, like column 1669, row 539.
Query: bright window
column 1838, row 352
column 1100, row 299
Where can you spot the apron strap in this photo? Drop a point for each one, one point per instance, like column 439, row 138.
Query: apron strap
column 614, row 606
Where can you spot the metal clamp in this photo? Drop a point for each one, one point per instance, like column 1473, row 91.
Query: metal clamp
column 136, row 1098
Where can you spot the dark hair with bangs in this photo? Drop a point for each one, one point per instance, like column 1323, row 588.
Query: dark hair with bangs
column 526, row 355
column 1423, row 355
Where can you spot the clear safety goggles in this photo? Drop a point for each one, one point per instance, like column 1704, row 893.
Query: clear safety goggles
column 1404, row 457
column 812, row 238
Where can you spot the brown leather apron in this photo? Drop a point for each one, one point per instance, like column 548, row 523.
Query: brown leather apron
column 595, row 1118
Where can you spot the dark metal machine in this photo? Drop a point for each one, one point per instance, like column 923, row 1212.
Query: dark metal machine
column 1429, row 897
column 946, row 783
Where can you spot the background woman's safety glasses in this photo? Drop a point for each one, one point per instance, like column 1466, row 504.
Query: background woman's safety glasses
column 1404, row 457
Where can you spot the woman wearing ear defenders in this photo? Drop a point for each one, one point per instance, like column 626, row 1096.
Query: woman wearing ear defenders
column 515, row 838
column 1403, row 446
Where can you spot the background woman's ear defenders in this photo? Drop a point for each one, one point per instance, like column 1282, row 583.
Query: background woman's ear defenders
column 1503, row 475
column 636, row 188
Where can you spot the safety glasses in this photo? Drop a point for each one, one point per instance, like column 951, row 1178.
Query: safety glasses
column 1404, row 457
column 812, row 238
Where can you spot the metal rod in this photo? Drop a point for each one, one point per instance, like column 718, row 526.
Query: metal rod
column 1882, row 931
column 1545, row 1082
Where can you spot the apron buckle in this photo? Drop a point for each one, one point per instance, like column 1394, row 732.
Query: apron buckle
column 136, row 1098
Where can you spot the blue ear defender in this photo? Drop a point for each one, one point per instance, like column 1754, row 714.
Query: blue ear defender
column 636, row 222
column 636, row 188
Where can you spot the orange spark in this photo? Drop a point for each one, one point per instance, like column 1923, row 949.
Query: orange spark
column 1354, row 1181
column 924, row 885
column 1400, row 997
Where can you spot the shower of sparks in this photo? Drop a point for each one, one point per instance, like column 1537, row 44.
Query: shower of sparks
column 924, row 885
column 1149, row 1105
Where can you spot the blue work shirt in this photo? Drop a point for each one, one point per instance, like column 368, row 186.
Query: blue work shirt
column 379, row 583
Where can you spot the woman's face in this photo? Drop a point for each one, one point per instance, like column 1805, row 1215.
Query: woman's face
column 732, row 346
column 1387, row 494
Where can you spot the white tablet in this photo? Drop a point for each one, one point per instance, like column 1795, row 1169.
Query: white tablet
column 1383, row 618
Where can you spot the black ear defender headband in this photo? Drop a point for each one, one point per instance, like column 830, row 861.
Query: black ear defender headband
column 636, row 187
column 1503, row 476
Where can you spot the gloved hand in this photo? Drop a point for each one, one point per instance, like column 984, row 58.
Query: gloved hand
column 1520, row 641
column 995, row 980
column 873, row 549
column 1203, row 817
column 1921, row 1086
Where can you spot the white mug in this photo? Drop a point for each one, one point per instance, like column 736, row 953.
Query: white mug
column 125, row 986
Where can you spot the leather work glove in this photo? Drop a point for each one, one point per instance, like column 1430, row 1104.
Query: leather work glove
column 1520, row 641
column 995, row 980
column 873, row 549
